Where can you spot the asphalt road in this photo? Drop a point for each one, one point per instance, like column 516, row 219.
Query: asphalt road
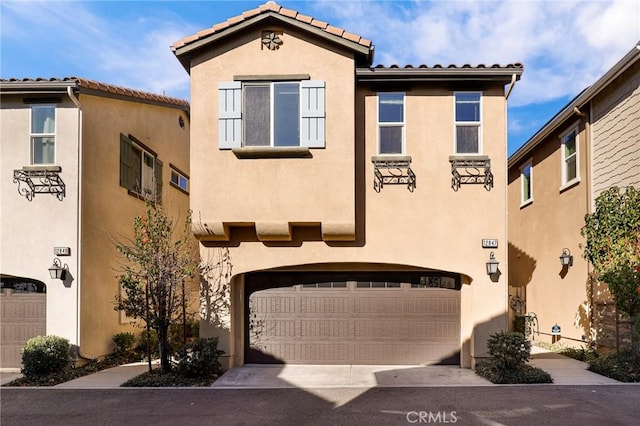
column 503, row 405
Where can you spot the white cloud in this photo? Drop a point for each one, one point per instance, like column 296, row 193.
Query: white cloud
column 564, row 45
column 72, row 38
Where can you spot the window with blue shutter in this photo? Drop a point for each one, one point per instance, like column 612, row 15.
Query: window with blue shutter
column 272, row 114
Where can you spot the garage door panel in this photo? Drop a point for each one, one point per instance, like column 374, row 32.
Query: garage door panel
column 23, row 317
column 324, row 305
column 324, row 328
column 356, row 325
column 377, row 305
column 324, row 353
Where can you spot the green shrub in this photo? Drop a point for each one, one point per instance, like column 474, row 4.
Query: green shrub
column 176, row 335
column 172, row 379
column 493, row 371
column 519, row 324
column 581, row 354
column 199, row 358
column 623, row 366
column 509, row 349
column 124, row 343
column 42, row 355
column 153, row 343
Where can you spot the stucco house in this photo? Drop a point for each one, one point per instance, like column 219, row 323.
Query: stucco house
column 358, row 207
column 590, row 145
column 78, row 158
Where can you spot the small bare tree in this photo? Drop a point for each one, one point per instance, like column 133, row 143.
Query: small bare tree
column 159, row 267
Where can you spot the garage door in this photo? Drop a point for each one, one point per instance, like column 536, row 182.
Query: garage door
column 22, row 316
column 356, row 322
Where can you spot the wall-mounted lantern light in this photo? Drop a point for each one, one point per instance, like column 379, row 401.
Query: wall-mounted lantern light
column 566, row 259
column 57, row 271
column 492, row 265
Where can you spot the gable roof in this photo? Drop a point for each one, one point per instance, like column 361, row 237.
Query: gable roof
column 184, row 48
column 83, row 85
column 573, row 107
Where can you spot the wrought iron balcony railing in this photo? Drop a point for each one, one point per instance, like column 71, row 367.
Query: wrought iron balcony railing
column 34, row 180
column 471, row 169
column 392, row 170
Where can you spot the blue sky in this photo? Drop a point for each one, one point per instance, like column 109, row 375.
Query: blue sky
column 564, row 45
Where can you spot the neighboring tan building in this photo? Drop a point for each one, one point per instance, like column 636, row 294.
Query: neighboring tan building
column 78, row 159
column 352, row 200
column 589, row 146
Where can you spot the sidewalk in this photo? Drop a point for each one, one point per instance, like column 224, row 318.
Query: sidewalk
column 564, row 370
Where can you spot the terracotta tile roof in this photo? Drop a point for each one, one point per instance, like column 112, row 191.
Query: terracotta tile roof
column 515, row 65
column 103, row 87
column 269, row 7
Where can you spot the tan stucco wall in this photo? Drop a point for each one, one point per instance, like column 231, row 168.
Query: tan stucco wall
column 540, row 230
column 616, row 133
column 433, row 227
column 31, row 229
column 273, row 191
column 108, row 210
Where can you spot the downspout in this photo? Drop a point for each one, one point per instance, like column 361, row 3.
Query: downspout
column 511, row 85
column 76, row 102
column 589, row 172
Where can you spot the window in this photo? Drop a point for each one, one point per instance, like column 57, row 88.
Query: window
column 140, row 169
column 377, row 284
column 329, row 284
column 179, row 179
column 390, row 123
column 437, row 282
column 43, row 134
column 569, row 148
column 526, row 184
column 467, row 123
column 271, row 114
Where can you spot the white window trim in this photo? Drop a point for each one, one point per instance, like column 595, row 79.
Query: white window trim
column 477, row 124
column 401, row 124
column 143, row 151
column 523, row 202
column 45, row 135
column 564, row 184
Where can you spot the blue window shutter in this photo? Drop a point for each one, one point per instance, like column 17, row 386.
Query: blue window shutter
column 230, row 115
column 312, row 114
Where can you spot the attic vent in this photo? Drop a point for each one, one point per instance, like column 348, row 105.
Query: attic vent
column 271, row 39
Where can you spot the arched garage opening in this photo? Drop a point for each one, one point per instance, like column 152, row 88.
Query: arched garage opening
column 352, row 318
column 23, row 305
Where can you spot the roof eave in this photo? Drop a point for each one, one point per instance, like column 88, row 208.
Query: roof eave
column 503, row 74
column 581, row 100
column 184, row 53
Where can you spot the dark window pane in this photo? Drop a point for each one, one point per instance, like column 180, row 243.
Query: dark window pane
column 287, row 114
column 43, row 150
column 468, row 107
column 43, row 119
column 363, row 284
column 570, row 144
column 391, row 140
column 393, row 285
column 256, row 115
column 467, row 140
column 324, row 285
column 340, row 284
column 572, row 171
column 391, row 107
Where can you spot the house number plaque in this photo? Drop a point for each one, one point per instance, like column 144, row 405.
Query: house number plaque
column 489, row 243
column 62, row 251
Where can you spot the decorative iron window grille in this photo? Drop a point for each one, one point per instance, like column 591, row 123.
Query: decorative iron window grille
column 393, row 171
column 34, row 180
column 471, row 170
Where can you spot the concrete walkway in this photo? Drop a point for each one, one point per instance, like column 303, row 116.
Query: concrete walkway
column 564, row 370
